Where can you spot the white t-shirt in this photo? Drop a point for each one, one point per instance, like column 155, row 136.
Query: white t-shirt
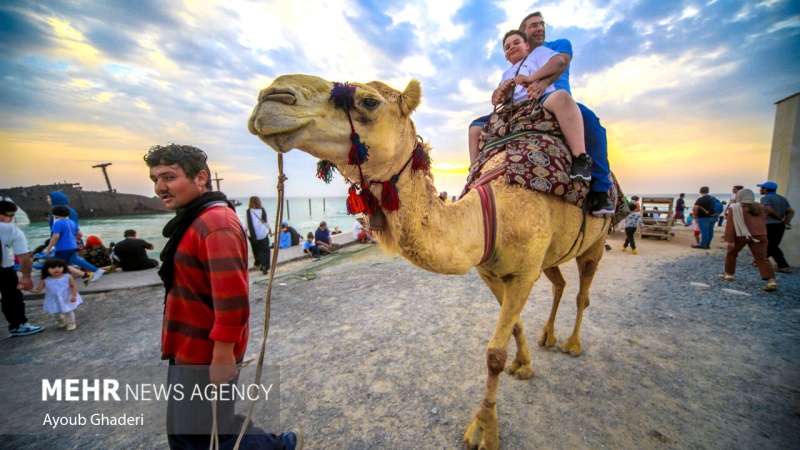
column 14, row 242
column 357, row 229
column 535, row 60
column 260, row 229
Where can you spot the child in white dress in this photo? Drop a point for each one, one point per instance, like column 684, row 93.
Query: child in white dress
column 61, row 293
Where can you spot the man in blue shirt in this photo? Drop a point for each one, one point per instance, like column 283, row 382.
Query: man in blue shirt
column 533, row 26
column 779, row 219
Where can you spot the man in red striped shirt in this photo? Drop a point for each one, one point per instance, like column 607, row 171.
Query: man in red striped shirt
column 207, row 305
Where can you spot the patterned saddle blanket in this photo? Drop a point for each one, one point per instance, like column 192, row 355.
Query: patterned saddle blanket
column 536, row 156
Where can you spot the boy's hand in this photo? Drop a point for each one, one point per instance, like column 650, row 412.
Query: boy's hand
column 523, row 80
column 536, row 89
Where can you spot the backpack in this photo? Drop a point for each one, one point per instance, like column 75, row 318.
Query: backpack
column 716, row 206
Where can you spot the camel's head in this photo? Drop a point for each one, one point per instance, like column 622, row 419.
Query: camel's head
column 296, row 111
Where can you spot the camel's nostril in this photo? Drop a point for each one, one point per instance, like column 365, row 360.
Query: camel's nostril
column 287, row 99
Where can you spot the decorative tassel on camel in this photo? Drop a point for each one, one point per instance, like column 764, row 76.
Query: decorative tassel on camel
column 358, row 151
column 325, row 170
column 354, row 203
column 389, row 198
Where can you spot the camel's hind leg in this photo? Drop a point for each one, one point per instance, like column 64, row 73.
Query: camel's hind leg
column 587, row 267
column 521, row 366
column 548, row 337
column 482, row 432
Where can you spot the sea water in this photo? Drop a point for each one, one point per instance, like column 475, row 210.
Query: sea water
column 299, row 215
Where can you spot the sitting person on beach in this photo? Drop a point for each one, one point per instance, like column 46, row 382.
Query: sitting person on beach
column 132, row 253
column 64, row 238
column 322, row 237
column 362, row 233
column 285, row 240
column 309, row 248
column 97, row 254
column 527, row 68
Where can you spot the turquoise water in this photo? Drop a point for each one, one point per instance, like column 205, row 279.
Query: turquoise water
column 148, row 227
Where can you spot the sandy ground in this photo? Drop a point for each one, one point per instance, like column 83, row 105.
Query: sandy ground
column 377, row 354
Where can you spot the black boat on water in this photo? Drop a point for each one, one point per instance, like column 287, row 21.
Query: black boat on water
column 88, row 204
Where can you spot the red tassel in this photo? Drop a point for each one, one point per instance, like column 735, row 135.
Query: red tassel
column 370, row 202
column 421, row 159
column 354, row 203
column 389, row 198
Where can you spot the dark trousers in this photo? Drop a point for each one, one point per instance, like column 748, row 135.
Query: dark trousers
column 13, row 306
column 261, row 252
column 629, row 232
column 775, row 235
column 189, row 420
column 759, row 251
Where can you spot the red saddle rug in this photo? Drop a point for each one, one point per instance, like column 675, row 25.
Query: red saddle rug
column 536, row 156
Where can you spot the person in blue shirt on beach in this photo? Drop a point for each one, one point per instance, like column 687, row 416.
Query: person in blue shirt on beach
column 286, row 237
column 533, row 26
column 309, row 248
column 65, row 235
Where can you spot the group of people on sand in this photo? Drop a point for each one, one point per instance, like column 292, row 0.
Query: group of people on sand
column 63, row 257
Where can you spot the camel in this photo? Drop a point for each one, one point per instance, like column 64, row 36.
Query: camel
column 535, row 232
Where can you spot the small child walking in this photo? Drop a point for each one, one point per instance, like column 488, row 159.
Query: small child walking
column 61, row 296
column 632, row 223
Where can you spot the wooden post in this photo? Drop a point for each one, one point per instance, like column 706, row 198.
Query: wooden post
column 309, row 207
column 323, row 204
column 287, row 210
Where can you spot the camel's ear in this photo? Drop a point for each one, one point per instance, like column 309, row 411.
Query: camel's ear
column 411, row 97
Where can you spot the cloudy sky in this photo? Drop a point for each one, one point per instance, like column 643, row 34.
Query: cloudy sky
column 686, row 89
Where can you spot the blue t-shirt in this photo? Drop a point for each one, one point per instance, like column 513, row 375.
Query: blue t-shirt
column 778, row 203
column 66, row 229
column 562, row 46
column 321, row 235
column 307, row 245
column 286, row 239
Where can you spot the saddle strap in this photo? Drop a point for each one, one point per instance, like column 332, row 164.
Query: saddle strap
column 489, row 210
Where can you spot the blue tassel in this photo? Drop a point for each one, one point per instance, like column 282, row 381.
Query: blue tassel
column 359, row 152
column 342, row 95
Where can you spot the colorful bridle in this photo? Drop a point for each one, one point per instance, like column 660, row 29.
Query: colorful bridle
column 364, row 202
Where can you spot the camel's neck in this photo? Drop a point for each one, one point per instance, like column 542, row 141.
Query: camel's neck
column 434, row 235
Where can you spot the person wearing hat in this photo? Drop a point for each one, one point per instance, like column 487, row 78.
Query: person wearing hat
column 132, row 253
column 779, row 219
column 362, row 233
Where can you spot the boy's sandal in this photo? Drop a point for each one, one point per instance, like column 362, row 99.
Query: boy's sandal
column 725, row 277
column 784, row 270
column 770, row 287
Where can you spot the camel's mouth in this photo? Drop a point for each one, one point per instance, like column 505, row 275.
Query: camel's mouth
column 269, row 124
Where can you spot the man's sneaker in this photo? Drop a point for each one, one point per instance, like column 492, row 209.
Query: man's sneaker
column 25, row 329
column 97, row 275
column 608, row 247
column 602, row 205
column 581, row 167
column 293, row 440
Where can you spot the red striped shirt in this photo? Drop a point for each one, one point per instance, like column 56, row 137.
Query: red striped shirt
column 209, row 299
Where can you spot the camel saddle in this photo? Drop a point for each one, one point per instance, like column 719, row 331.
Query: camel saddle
column 536, row 157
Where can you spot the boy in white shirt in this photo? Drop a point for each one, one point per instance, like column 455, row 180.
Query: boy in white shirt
column 527, row 68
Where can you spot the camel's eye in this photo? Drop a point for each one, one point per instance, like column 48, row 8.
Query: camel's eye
column 370, row 103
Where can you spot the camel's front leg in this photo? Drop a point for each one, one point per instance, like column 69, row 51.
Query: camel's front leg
column 482, row 432
column 587, row 267
column 521, row 366
column 548, row 337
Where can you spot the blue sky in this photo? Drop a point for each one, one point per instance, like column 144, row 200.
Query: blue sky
column 686, row 89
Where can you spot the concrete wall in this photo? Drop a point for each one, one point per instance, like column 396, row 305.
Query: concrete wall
column 784, row 168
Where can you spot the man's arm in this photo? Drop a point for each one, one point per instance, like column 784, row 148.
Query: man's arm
column 25, row 263
column 787, row 219
column 223, row 363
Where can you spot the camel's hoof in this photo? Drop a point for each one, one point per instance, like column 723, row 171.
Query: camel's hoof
column 476, row 438
column 520, row 371
column 547, row 339
column 573, row 348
